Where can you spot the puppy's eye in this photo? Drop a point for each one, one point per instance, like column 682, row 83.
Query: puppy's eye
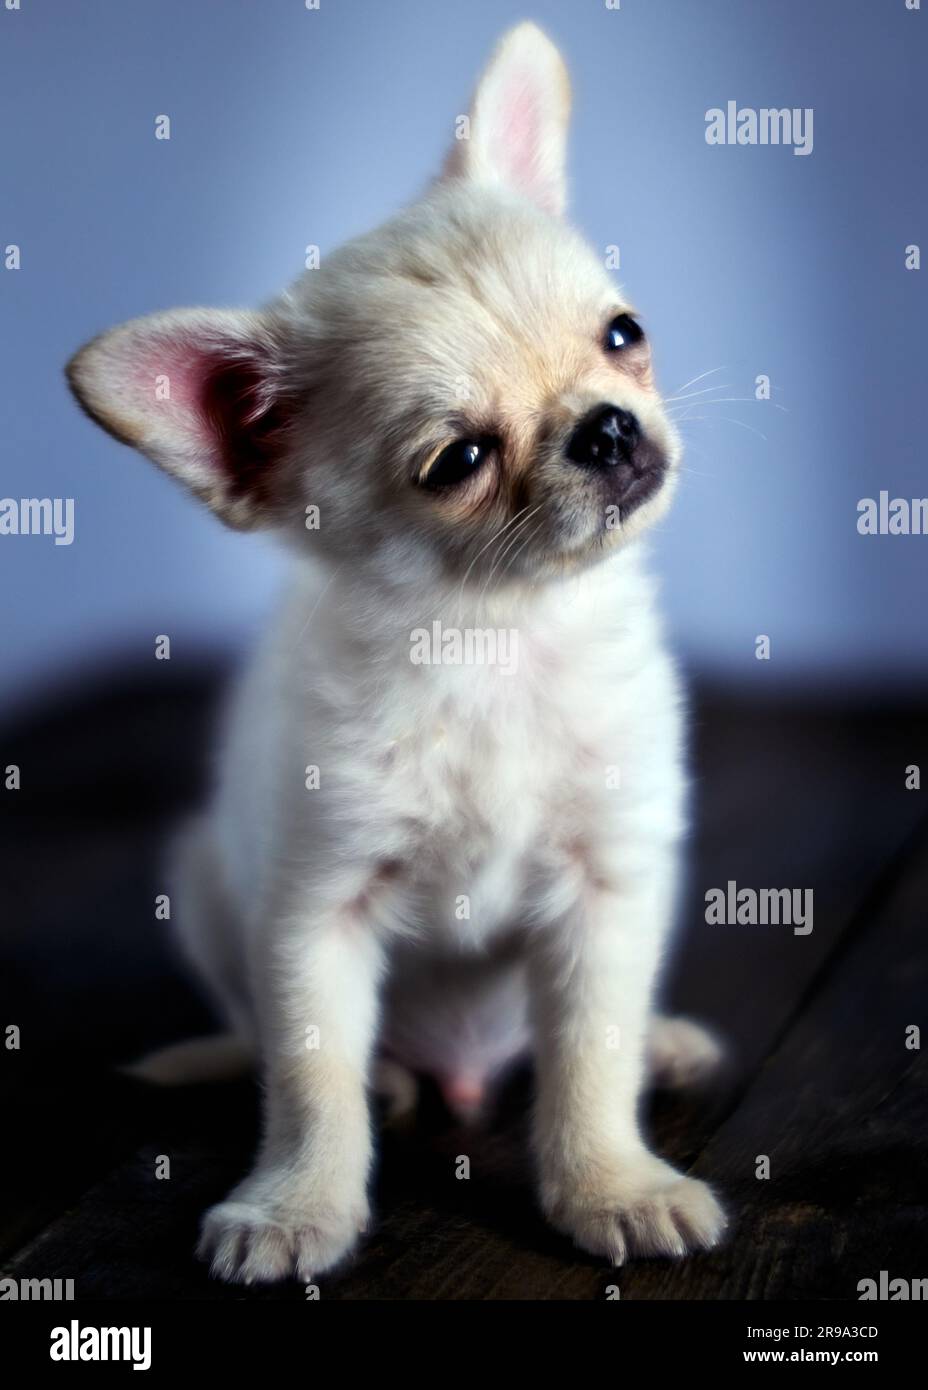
column 457, row 462
column 623, row 332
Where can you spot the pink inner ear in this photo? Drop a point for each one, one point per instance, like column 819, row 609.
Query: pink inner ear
column 225, row 395
column 520, row 133
column 187, row 365
column 179, row 361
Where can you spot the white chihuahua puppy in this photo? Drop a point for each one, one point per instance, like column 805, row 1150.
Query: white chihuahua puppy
column 416, row 853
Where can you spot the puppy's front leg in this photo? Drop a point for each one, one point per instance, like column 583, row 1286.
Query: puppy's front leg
column 304, row 1204
column 591, row 979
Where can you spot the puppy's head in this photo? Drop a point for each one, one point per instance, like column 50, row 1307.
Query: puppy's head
column 462, row 393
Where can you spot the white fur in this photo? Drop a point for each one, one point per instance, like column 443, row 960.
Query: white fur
column 474, row 782
column 329, row 921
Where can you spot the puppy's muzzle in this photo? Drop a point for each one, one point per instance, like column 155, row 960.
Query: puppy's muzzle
column 609, row 440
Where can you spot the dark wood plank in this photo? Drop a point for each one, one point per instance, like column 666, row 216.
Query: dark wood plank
column 841, row 1108
column 802, row 798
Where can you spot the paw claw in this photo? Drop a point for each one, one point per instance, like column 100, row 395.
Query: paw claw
column 257, row 1243
column 651, row 1211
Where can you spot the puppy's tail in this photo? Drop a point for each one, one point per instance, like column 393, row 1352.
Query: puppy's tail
column 219, row 1057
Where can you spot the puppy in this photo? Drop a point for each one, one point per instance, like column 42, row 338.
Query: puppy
column 416, row 851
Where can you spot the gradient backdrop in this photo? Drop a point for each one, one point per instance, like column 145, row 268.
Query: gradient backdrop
column 292, row 126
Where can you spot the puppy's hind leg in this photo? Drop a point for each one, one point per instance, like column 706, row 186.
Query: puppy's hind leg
column 218, row 1057
column 396, row 1088
column 680, row 1053
column 207, row 934
column 207, row 925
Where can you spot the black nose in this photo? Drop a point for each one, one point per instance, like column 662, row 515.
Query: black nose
column 603, row 438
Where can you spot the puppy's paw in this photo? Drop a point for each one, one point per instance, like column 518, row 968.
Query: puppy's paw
column 262, row 1241
column 396, row 1089
column 681, row 1053
column 650, row 1209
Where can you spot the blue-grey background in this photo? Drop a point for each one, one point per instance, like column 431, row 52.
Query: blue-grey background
column 293, row 126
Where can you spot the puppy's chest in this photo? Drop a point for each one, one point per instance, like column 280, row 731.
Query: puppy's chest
column 458, row 770
column 481, row 764
column 470, row 792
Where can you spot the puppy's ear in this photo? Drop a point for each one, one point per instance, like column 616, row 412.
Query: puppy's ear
column 200, row 392
column 518, row 121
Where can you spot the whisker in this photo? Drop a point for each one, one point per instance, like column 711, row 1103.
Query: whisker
column 701, row 377
column 729, row 419
column 518, row 551
column 738, row 400
column 503, row 549
column 697, row 472
column 486, row 546
column 312, row 612
column 690, row 394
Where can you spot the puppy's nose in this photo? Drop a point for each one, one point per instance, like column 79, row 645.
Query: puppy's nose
column 605, row 437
